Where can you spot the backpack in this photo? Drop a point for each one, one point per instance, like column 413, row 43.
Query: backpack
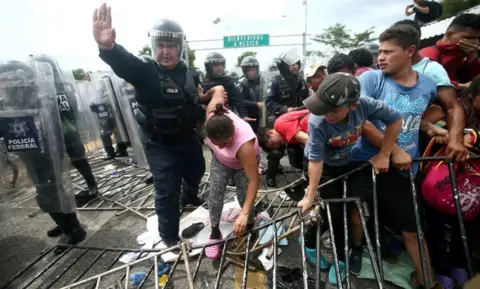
column 436, row 10
column 437, row 190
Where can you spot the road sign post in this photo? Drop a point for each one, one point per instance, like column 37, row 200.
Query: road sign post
column 240, row 41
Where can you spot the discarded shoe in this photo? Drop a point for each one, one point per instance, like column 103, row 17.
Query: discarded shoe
column 192, row 230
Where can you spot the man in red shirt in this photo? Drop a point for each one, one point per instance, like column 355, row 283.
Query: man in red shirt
column 292, row 129
column 457, row 51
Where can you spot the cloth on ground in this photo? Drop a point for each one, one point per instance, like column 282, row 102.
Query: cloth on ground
column 398, row 274
column 151, row 238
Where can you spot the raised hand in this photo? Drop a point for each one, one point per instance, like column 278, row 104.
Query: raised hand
column 103, row 33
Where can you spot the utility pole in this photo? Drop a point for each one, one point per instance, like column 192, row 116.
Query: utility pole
column 305, row 36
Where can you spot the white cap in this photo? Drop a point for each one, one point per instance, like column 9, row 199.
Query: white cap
column 314, row 69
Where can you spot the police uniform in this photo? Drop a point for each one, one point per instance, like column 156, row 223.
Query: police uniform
column 32, row 130
column 67, row 104
column 235, row 99
column 167, row 116
column 253, row 90
column 284, row 90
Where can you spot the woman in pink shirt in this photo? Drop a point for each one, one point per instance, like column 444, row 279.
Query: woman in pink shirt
column 235, row 152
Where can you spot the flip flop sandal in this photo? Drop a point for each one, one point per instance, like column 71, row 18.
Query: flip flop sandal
column 214, row 252
column 192, row 230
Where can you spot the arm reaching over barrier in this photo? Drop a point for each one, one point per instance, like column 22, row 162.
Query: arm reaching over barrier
column 217, row 94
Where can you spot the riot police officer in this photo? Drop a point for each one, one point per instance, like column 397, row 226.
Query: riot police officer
column 253, row 90
column 31, row 127
column 216, row 75
column 373, row 48
column 165, row 92
column 68, row 106
column 285, row 93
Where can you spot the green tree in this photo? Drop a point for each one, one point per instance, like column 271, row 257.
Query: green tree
column 78, row 74
column 146, row 50
column 191, row 57
column 339, row 37
column 453, row 7
column 243, row 55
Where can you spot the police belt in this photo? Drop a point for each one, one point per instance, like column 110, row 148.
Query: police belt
column 154, row 135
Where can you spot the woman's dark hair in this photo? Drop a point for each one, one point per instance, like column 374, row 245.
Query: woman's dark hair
column 219, row 126
column 361, row 57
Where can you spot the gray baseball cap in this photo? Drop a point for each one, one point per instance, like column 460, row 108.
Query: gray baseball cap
column 337, row 90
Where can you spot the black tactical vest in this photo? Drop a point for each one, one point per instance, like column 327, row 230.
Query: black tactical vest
column 290, row 92
column 174, row 112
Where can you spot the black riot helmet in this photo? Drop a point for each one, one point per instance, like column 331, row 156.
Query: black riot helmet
column 250, row 62
column 213, row 59
column 57, row 74
column 233, row 75
column 373, row 48
column 166, row 33
column 18, row 87
column 286, row 59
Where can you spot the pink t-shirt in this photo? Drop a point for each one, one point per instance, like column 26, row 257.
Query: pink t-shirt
column 243, row 133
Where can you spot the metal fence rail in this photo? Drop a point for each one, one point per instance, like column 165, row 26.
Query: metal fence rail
column 236, row 250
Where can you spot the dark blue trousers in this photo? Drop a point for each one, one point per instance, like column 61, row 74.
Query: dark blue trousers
column 173, row 165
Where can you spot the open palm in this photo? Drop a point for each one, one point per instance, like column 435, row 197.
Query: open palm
column 103, row 32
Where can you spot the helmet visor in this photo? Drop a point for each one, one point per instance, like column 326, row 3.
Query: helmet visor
column 166, row 46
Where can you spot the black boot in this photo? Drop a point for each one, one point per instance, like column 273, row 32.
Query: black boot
column 70, row 226
column 110, row 153
column 271, row 182
column 54, row 232
column 85, row 170
column 121, row 150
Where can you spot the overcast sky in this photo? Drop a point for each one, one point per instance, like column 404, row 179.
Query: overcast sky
column 63, row 27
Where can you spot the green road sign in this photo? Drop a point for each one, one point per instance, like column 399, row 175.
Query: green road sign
column 239, row 41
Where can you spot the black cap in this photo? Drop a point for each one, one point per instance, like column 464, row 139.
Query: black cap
column 337, row 90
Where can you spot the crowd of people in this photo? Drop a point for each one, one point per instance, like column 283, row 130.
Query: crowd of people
column 385, row 104
column 379, row 104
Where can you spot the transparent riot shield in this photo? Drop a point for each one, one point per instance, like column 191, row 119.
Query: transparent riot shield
column 102, row 110
column 125, row 93
column 68, row 107
column 88, row 131
column 31, row 133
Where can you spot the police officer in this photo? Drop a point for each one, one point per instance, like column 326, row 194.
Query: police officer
column 373, row 48
column 165, row 92
column 216, row 75
column 106, row 119
column 32, row 130
column 252, row 89
column 67, row 104
column 285, row 93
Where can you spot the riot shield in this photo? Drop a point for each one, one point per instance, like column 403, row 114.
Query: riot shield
column 125, row 93
column 89, row 133
column 101, row 108
column 68, row 107
column 31, row 131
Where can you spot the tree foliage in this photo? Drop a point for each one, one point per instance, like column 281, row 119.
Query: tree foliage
column 243, row 55
column 146, row 50
column 453, row 7
column 191, row 57
column 340, row 37
column 78, row 74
